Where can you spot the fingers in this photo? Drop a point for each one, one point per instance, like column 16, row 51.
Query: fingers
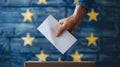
column 66, row 24
column 60, row 29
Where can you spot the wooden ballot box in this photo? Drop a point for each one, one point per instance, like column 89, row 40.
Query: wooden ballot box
column 60, row 64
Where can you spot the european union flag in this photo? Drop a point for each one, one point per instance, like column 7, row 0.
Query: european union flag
column 98, row 35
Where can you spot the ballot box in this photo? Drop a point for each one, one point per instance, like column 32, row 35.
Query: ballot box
column 60, row 64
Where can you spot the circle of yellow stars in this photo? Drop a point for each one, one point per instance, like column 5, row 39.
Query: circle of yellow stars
column 43, row 56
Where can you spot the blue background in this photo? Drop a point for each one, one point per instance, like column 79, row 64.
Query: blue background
column 12, row 29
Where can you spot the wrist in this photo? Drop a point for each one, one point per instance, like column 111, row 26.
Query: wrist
column 76, row 18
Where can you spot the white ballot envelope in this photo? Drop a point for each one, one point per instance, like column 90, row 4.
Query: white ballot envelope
column 48, row 29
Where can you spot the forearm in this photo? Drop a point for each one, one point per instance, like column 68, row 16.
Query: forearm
column 85, row 3
column 72, row 22
column 79, row 13
column 82, row 8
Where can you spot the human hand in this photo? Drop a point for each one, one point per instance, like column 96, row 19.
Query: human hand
column 71, row 22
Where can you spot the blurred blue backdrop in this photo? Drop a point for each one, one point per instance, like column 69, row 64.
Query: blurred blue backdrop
column 13, row 28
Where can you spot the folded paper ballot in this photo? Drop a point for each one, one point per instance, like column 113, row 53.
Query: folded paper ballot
column 48, row 29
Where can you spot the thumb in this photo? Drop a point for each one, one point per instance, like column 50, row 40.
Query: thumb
column 60, row 30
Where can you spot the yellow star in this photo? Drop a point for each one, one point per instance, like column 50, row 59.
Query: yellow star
column 75, row 1
column 27, row 15
column 76, row 56
column 93, row 15
column 28, row 40
column 91, row 39
column 42, row 1
column 59, row 60
column 42, row 56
